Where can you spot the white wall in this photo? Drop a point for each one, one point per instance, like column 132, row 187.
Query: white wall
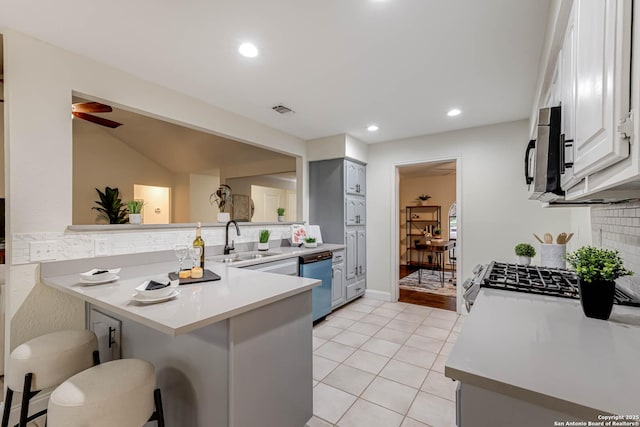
column 356, row 149
column 493, row 207
column 335, row 147
column 39, row 82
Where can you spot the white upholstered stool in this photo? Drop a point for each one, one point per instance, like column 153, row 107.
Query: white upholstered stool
column 117, row 393
column 45, row 362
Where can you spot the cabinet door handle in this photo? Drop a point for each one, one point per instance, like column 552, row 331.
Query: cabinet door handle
column 111, row 336
column 357, row 289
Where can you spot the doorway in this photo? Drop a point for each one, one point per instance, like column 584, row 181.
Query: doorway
column 156, row 203
column 428, row 244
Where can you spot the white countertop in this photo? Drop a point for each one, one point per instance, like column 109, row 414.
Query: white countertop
column 283, row 252
column 198, row 305
column 545, row 350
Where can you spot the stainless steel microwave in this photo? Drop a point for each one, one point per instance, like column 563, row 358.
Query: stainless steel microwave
column 543, row 158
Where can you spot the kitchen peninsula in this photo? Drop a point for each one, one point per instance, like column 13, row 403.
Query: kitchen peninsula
column 233, row 352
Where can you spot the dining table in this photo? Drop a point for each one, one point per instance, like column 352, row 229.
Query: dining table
column 439, row 247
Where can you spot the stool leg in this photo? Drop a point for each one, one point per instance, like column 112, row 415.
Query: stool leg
column 157, row 397
column 7, row 408
column 96, row 358
column 26, row 395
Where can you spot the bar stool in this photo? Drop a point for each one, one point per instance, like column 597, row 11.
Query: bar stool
column 117, row 393
column 45, row 362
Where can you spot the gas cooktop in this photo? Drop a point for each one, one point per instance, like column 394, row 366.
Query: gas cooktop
column 542, row 281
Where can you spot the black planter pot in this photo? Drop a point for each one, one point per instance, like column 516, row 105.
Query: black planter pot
column 597, row 298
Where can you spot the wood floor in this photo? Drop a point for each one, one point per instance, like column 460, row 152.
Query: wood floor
column 424, row 298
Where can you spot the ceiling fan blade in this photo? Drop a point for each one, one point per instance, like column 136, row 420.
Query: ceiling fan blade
column 97, row 120
column 91, row 107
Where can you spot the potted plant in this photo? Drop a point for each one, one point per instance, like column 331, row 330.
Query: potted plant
column 221, row 197
column 135, row 209
column 597, row 269
column 437, row 233
column 110, row 206
column 280, row 214
column 423, row 198
column 524, row 252
column 263, row 240
column 310, row 242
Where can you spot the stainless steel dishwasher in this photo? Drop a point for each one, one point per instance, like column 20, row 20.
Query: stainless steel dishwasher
column 319, row 266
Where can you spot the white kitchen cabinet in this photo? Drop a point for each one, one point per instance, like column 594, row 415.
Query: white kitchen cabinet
column 108, row 331
column 355, row 177
column 351, row 240
column 351, row 208
column 602, row 74
column 338, row 288
column 361, row 252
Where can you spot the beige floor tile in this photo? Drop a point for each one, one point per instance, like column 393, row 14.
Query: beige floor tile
column 349, row 379
column 444, row 314
column 390, row 394
column 350, row 314
column 402, row 325
column 385, row 312
column 418, row 309
column 404, row 373
column 370, row 301
column 416, row 356
column 364, row 328
column 439, row 323
column 334, row 351
column 436, row 383
column 446, row 348
column 376, row 319
column 366, row 414
column 395, row 306
column 325, row 331
column 352, row 339
column 366, row 361
column 408, row 422
column 392, row 335
column 432, row 410
column 432, row 332
column 425, row 343
column 382, row 347
column 410, row 317
column 329, row 403
column 361, row 308
column 438, row 365
column 317, row 422
column 339, row 322
column 458, row 327
column 453, row 336
column 322, row 367
column 317, row 342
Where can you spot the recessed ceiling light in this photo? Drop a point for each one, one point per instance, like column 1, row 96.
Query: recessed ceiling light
column 373, row 128
column 248, row 49
column 454, row 112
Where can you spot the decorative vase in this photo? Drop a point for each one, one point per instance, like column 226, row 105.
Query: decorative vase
column 524, row 260
column 135, row 218
column 280, row 218
column 263, row 246
column 597, row 298
column 224, row 217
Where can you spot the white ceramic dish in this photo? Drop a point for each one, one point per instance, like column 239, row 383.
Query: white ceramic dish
column 109, row 279
column 142, row 292
column 89, row 276
column 148, row 300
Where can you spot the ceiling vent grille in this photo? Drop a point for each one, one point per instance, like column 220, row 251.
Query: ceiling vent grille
column 282, row 109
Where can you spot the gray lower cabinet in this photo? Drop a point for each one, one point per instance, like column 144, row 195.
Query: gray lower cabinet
column 338, row 289
column 337, row 204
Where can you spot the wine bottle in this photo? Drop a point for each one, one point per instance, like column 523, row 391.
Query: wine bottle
column 199, row 242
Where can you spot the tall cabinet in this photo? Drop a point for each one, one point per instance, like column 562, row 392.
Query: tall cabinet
column 337, row 203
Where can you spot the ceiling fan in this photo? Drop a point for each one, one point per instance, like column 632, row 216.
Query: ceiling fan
column 81, row 110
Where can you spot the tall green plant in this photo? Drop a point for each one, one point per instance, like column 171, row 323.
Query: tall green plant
column 264, row 236
column 110, row 206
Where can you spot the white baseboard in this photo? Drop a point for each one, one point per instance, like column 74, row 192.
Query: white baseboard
column 37, row 404
column 379, row 295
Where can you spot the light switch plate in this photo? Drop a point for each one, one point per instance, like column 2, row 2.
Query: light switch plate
column 100, row 247
column 45, row 250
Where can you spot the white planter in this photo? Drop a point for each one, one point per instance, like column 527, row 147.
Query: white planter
column 280, row 218
column 311, row 245
column 135, row 218
column 263, row 246
column 524, row 260
column 553, row 255
column 224, row 217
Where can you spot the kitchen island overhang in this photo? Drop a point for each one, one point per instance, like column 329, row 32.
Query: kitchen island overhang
column 235, row 352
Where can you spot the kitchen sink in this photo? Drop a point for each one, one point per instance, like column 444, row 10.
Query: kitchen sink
column 242, row 256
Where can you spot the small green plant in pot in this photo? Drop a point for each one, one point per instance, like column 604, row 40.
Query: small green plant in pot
column 135, row 211
column 524, row 252
column 437, row 232
column 597, row 269
column 280, row 214
column 263, row 240
column 310, row 242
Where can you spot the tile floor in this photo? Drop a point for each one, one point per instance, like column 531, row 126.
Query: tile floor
column 381, row 364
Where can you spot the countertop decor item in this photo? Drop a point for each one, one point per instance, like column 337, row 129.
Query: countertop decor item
column 263, row 240
column 110, row 206
column 524, row 252
column 280, row 214
column 135, row 211
column 422, row 198
column 597, row 269
column 221, row 197
column 310, row 242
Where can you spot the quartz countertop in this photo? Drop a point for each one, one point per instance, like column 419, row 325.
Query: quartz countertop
column 239, row 291
column 545, row 350
column 277, row 254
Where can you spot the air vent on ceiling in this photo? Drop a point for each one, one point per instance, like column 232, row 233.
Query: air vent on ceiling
column 282, row 109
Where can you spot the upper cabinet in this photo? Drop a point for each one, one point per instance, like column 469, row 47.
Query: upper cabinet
column 355, row 178
column 600, row 36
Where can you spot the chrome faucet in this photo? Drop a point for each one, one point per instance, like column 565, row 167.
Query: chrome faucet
column 227, row 248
